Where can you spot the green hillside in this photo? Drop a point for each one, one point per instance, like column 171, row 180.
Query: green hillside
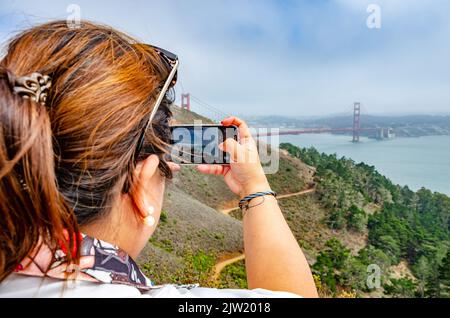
column 353, row 219
column 406, row 226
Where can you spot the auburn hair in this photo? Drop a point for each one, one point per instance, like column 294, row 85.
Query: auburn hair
column 61, row 164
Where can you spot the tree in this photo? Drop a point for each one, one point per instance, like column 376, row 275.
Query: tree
column 444, row 275
column 330, row 262
column 337, row 252
column 401, row 288
column 353, row 274
column 390, row 246
column 411, row 225
column 356, row 219
column 371, row 255
column 434, row 279
column 422, row 271
column 336, row 220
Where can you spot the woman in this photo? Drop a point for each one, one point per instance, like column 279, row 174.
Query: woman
column 84, row 129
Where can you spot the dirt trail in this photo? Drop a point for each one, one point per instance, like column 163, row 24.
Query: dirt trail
column 283, row 196
column 218, row 268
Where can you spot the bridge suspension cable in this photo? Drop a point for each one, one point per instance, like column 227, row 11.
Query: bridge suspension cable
column 211, row 111
column 357, row 109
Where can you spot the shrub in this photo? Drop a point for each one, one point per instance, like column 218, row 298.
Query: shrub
column 163, row 217
column 336, row 220
column 356, row 219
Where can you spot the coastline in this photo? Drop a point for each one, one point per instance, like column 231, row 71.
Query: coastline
column 413, row 161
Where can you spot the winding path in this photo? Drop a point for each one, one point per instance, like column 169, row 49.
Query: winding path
column 218, row 268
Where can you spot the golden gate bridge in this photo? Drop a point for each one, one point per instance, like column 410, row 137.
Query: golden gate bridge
column 356, row 129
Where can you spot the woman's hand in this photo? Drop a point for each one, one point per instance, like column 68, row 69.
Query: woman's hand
column 245, row 174
column 273, row 258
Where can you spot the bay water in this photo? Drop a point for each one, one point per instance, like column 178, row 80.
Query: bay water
column 416, row 161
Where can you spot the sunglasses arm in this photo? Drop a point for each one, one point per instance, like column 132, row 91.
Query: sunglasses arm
column 162, row 93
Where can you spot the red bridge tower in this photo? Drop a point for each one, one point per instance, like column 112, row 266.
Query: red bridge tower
column 186, row 101
column 356, row 121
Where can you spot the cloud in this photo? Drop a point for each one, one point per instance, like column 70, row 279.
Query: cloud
column 291, row 58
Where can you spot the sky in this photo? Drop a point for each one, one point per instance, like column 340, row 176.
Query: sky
column 291, row 58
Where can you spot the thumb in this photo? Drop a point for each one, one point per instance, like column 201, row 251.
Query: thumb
column 232, row 147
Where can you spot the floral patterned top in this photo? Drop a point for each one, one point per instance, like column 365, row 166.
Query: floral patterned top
column 100, row 262
column 116, row 273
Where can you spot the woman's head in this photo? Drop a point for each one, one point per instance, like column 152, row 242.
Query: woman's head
column 75, row 156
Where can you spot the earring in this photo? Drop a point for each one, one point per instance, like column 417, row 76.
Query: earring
column 149, row 220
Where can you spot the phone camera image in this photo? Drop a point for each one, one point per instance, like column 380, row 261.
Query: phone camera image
column 198, row 144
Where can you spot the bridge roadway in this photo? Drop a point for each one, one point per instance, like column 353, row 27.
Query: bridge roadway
column 314, row 131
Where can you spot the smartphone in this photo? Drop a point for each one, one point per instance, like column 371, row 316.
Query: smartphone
column 199, row 144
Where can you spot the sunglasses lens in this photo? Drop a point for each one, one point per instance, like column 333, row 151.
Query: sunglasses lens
column 169, row 60
column 169, row 55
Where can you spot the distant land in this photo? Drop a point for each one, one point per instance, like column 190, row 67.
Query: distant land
column 403, row 125
column 345, row 215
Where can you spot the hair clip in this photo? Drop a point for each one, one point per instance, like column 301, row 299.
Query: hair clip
column 34, row 87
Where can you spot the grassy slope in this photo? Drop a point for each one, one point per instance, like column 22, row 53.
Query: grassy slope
column 193, row 234
column 189, row 232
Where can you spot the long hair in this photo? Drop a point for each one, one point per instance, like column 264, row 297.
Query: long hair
column 61, row 164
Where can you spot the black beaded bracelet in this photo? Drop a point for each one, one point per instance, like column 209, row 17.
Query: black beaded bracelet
column 244, row 204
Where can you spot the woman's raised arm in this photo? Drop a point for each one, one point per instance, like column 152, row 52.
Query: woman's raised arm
column 274, row 260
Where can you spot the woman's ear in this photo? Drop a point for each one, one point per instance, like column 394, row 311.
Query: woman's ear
column 148, row 168
column 147, row 180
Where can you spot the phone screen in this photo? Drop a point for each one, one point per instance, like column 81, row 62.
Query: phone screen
column 198, row 144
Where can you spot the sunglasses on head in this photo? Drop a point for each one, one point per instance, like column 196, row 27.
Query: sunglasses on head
column 170, row 60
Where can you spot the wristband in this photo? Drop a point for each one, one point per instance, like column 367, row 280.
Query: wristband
column 244, row 204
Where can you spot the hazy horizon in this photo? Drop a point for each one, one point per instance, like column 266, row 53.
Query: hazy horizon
column 387, row 114
column 266, row 57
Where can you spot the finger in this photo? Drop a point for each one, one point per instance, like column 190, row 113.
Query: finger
column 211, row 169
column 174, row 167
column 227, row 121
column 226, row 169
column 244, row 131
column 233, row 148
